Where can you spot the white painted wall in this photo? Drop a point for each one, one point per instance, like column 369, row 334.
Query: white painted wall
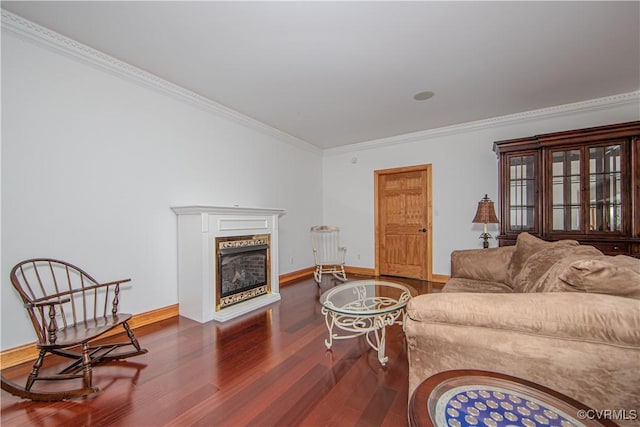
column 464, row 168
column 92, row 162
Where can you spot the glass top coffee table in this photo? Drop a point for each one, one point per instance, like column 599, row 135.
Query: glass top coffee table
column 365, row 307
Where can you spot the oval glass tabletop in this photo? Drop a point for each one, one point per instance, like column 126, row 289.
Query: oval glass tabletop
column 367, row 297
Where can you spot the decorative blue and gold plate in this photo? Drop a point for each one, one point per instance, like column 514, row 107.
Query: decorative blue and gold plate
column 498, row 406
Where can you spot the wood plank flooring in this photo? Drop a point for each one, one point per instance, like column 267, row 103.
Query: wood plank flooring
column 267, row 368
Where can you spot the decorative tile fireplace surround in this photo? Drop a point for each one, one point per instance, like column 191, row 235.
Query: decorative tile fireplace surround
column 246, row 241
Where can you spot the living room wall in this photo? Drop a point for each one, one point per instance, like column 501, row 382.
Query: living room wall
column 464, row 168
column 92, row 161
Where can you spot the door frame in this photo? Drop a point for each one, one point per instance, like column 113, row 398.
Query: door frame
column 376, row 202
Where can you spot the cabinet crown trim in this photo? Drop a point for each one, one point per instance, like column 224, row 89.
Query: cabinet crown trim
column 621, row 130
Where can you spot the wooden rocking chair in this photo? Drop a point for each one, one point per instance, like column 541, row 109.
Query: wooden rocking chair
column 328, row 255
column 68, row 309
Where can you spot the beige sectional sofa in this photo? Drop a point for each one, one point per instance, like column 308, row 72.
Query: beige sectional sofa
column 560, row 314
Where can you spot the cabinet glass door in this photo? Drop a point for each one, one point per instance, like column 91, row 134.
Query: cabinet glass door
column 522, row 193
column 605, row 188
column 565, row 190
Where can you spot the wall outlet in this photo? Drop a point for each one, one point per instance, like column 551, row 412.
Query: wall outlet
column 291, row 260
column 358, row 256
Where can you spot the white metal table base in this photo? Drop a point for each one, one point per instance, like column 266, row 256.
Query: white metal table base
column 368, row 325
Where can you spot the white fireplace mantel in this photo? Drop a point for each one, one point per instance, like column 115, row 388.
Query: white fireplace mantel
column 198, row 227
column 225, row 210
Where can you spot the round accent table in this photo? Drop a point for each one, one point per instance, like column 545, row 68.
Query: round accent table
column 481, row 398
column 365, row 307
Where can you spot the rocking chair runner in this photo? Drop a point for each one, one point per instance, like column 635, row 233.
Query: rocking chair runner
column 328, row 255
column 69, row 308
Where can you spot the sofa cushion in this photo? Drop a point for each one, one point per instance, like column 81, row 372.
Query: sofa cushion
column 577, row 316
column 550, row 281
column 612, row 275
column 526, row 246
column 459, row 284
column 482, row 264
column 541, row 263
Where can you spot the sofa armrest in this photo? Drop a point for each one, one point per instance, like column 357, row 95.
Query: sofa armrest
column 490, row 265
column 596, row 318
column 586, row 346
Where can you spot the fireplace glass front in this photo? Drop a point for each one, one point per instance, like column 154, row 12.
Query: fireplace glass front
column 243, row 269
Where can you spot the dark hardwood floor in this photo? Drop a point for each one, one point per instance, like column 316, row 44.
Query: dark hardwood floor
column 267, row 368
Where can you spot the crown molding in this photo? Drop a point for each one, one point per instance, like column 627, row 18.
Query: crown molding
column 592, row 104
column 61, row 44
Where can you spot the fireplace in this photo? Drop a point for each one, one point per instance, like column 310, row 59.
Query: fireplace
column 227, row 261
column 243, row 269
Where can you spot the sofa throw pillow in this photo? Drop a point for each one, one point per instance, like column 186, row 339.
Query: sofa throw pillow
column 526, row 246
column 613, row 275
column 550, row 280
column 538, row 264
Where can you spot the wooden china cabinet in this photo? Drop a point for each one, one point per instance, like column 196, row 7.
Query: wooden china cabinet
column 582, row 184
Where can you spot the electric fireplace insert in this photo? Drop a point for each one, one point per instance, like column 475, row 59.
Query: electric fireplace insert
column 243, row 269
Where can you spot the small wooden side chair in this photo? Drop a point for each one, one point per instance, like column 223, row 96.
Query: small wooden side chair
column 68, row 309
column 328, row 255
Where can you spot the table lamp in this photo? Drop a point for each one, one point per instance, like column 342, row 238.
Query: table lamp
column 485, row 214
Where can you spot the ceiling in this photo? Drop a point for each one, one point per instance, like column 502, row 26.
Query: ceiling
column 337, row 73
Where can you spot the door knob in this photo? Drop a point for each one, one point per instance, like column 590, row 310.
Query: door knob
column 423, row 230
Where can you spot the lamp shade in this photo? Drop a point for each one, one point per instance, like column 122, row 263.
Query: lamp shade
column 486, row 213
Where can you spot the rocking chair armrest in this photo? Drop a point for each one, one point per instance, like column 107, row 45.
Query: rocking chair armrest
column 342, row 253
column 102, row 285
column 44, row 302
column 47, row 302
